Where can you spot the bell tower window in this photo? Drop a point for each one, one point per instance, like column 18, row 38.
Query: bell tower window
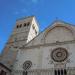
column 28, row 23
column 20, row 25
column 24, row 24
column 17, row 26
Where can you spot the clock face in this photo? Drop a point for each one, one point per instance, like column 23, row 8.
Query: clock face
column 27, row 65
column 59, row 54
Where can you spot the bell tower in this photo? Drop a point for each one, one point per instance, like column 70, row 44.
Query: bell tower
column 25, row 30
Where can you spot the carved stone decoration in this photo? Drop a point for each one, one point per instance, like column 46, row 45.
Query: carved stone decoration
column 59, row 54
column 27, row 65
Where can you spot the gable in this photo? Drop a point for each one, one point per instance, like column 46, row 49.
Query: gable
column 58, row 33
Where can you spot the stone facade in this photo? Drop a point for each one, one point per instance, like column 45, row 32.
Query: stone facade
column 49, row 53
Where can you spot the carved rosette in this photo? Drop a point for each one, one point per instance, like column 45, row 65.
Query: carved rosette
column 27, row 65
column 59, row 54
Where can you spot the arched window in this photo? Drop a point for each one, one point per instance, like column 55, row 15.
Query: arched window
column 24, row 24
column 26, row 66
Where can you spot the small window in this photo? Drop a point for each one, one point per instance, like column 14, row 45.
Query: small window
column 24, row 24
column 17, row 26
column 65, row 72
column 33, row 27
column 35, row 32
column 27, row 64
column 20, row 25
column 28, row 23
column 59, row 72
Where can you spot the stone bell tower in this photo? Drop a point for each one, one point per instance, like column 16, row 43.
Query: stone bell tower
column 25, row 30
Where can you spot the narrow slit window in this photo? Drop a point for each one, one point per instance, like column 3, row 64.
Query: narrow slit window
column 55, row 72
column 33, row 27
column 20, row 25
column 28, row 23
column 62, row 72
column 24, row 24
column 58, row 72
column 65, row 72
column 17, row 26
column 35, row 32
column 25, row 73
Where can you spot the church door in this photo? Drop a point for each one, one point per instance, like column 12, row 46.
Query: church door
column 60, row 72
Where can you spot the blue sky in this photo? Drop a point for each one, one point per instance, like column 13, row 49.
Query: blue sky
column 45, row 11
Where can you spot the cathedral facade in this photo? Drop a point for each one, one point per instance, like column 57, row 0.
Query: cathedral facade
column 28, row 52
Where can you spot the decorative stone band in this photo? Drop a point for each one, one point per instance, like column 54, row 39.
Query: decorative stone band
column 48, row 44
column 70, row 71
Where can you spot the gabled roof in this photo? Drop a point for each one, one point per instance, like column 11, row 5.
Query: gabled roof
column 52, row 25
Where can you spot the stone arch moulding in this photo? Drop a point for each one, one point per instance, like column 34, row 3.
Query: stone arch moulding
column 62, row 26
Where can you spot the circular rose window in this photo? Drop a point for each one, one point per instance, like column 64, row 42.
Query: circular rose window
column 59, row 54
column 27, row 65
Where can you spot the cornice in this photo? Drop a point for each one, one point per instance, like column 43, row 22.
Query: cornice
column 48, row 44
